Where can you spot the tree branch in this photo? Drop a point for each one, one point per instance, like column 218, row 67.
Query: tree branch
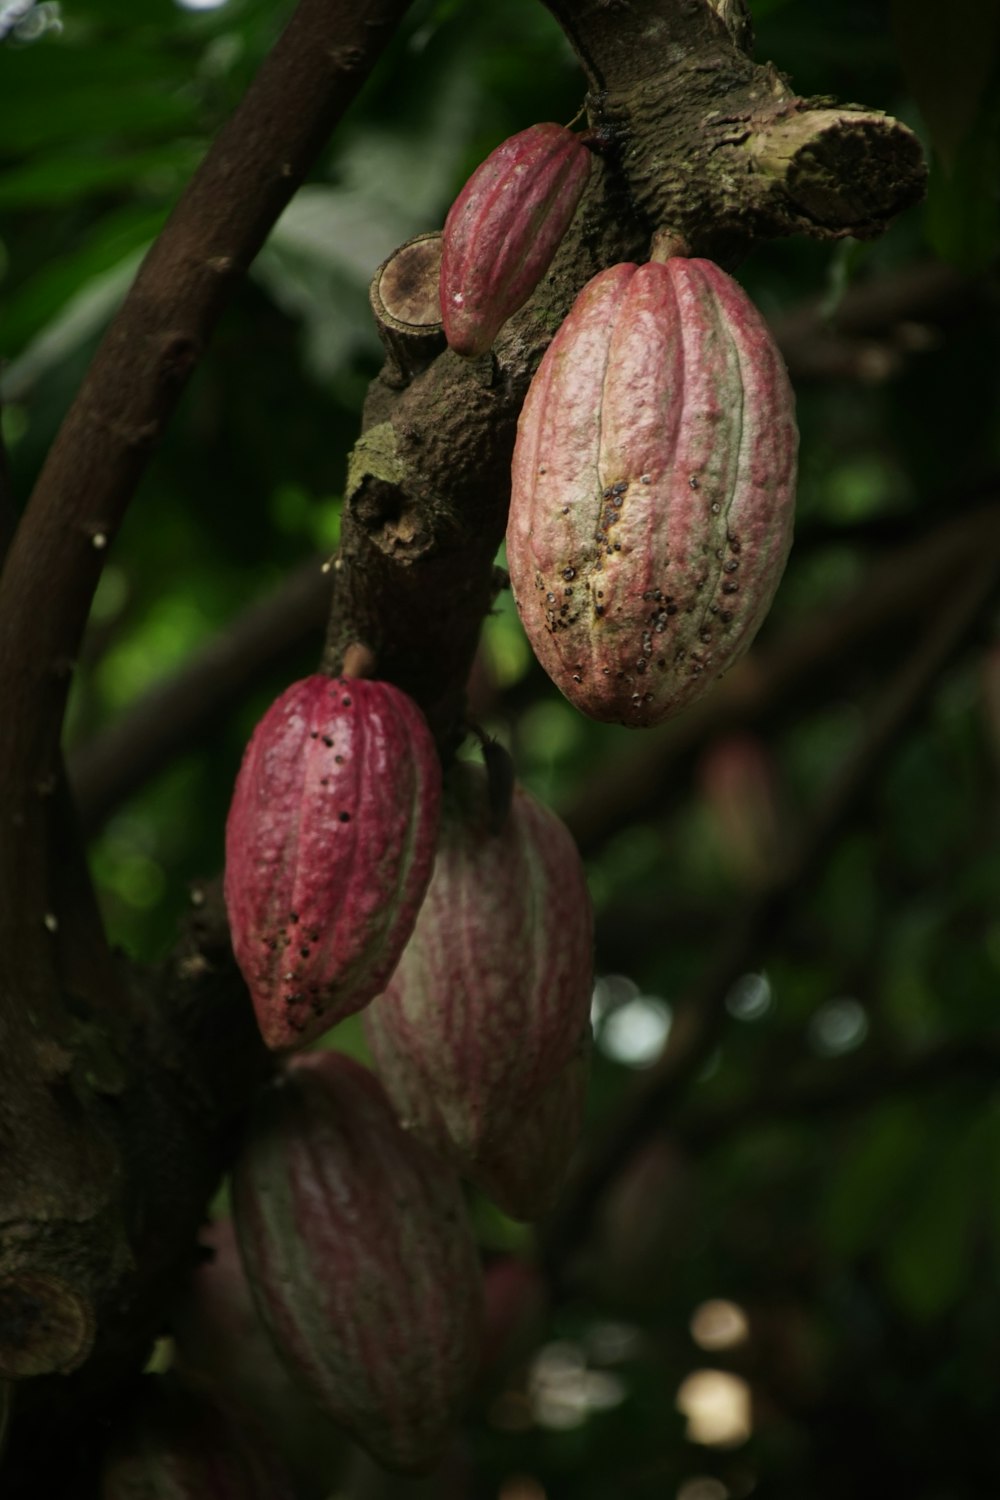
column 105, row 1164
column 700, row 1017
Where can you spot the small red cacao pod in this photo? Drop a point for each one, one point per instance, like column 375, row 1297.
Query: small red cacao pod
column 524, row 1171
column 174, row 1445
column 360, row 1258
column 492, row 994
column 653, row 489
column 504, row 228
column 329, row 847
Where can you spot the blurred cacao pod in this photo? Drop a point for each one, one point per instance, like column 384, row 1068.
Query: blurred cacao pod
column 504, row 228
column 523, row 1172
column 174, row 1445
column 740, row 786
column 221, row 1345
column 329, row 848
column 492, row 994
column 360, row 1258
column 653, row 489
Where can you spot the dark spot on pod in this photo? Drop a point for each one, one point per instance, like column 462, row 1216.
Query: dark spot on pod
column 339, row 759
column 568, row 593
column 713, row 609
column 730, row 588
column 577, row 677
column 314, row 734
column 705, row 636
column 304, row 952
column 657, row 594
column 565, row 510
column 598, row 611
column 660, row 662
column 716, row 508
column 618, row 546
column 730, row 566
column 606, row 494
column 346, row 702
column 324, row 781
column 640, row 665
column 569, row 573
column 314, row 935
column 293, row 916
column 551, row 598
column 734, row 543
column 693, row 482
column 645, row 478
column 620, row 487
column 328, row 742
column 671, row 609
column 617, row 500
column 647, row 594
column 344, row 817
column 619, row 673
column 725, row 616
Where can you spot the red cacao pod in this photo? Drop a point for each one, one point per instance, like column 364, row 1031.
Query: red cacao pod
column 362, row 1264
column 492, row 993
column 523, row 1172
column 329, row 848
column 652, row 489
column 177, row 1446
column 504, row 228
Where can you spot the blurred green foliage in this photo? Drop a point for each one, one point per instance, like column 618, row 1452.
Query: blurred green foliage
column 861, row 1239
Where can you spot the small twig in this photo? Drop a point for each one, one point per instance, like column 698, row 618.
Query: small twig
column 700, row 1018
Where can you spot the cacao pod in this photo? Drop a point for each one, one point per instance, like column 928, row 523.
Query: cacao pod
column 524, row 1171
column 493, row 990
column 504, row 228
column 220, row 1345
column 178, row 1446
column 360, row 1258
column 653, row 489
column 329, row 847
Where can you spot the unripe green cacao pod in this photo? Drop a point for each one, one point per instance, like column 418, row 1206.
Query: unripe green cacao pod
column 492, row 994
column 329, row 847
column 653, row 489
column 360, row 1259
column 504, row 228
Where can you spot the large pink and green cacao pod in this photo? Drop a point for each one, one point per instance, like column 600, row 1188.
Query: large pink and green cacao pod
column 504, row 228
column 329, row 847
column 174, row 1445
column 492, row 994
column 360, row 1259
column 524, row 1171
column 653, row 489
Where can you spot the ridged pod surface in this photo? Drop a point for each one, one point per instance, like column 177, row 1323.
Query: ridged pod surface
column 329, row 847
column 492, row 994
column 653, row 489
column 504, row 228
column 178, row 1446
column 360, row 1258
column 524, row 1171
